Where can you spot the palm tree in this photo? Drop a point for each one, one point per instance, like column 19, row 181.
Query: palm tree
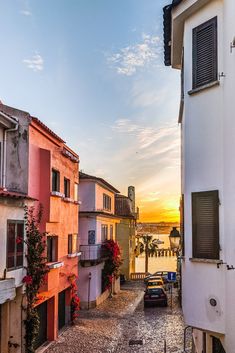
column 146, row 244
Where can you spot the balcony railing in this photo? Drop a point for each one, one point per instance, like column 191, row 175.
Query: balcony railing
column 92, row 252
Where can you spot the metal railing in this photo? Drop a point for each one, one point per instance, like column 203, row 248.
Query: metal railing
column 91, row 252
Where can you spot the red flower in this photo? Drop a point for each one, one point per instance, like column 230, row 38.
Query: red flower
column 19, row 240
column 27, row 279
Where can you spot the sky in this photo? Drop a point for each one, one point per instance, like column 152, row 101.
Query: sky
column 93, row 71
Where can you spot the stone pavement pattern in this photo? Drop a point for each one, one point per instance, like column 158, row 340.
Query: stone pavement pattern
column 109, row 327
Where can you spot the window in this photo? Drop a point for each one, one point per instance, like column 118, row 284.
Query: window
column 205, row 224
column 72, row 243
column 106, row 202
column 104, row 232
column 111, row 232
column 55, row 180
column 205, row 53
column 217, row 346
column 15, row 244
column 66, row 187
column 75, row 192
column 52, row 248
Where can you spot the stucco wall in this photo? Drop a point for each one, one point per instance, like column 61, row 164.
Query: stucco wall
column 99, row 198
column 17, row 152
column 87, row 195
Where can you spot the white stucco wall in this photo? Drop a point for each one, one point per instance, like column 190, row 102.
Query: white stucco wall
column 208, row 163
column 87, row 195
column 95, row 282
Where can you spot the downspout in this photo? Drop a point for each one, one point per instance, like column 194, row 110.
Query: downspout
column 5, row 149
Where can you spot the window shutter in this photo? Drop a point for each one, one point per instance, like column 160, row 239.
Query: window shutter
column 205, row 224
column 205, row 53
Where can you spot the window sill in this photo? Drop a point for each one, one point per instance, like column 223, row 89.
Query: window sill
column 204, row 87
column 68, row 199
column 53, row 265
column 206, row 261
column 75, row 254
column 57, row 194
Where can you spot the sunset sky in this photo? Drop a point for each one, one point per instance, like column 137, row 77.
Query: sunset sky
column 93, row 71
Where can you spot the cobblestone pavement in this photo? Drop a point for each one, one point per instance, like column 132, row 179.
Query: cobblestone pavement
column 110, row 327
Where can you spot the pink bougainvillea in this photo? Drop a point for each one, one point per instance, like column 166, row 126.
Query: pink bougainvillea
column 75, row 301
column 112, row 264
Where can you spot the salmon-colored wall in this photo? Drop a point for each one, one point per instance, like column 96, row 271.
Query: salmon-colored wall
column 60, row 217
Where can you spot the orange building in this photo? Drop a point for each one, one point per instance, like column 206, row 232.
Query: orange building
column 45, row 169
column 53, row 180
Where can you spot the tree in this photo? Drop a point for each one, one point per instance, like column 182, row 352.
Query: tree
column 146, row 244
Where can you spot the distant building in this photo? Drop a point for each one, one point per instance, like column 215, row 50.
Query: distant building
column 41, row 165
column 126, row 229
column 199, row 40
column 98, row 222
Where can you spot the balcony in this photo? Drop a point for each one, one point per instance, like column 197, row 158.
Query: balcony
column 92, row 253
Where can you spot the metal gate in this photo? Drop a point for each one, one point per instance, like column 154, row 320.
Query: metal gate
column 61, row 310
column 42, row 335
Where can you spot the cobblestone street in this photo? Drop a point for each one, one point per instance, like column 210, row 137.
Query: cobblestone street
column 117, row 321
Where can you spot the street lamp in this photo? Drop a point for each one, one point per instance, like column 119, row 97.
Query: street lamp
column 174, row 238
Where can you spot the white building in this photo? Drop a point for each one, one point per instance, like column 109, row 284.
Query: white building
column 199, row 40
column 97, row 223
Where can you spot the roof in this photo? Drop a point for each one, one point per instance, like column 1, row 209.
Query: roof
column 39, row 122
column 98, row 179
column 167, row 30
column 14, row 195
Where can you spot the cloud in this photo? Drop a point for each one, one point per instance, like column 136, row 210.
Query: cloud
column 35, row 63
column 26, row 13
column 129, row 59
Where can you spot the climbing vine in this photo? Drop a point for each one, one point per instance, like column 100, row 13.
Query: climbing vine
column 72, row 278
column 36, row 271
column 112, row 264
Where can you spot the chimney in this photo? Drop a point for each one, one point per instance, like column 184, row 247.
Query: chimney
column 131, row 195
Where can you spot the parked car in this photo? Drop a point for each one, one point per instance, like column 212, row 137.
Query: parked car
column 163, row 274
column 155, row 295
column 158, row 281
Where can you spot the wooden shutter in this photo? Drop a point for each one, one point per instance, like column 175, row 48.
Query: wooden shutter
column 205, row 224
column 205, row 53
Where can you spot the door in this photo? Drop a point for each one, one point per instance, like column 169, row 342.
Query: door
column 61, row 310
column 42, row 335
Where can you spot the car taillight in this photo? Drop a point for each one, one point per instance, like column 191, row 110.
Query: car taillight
column 146, row 296
column 162, row 295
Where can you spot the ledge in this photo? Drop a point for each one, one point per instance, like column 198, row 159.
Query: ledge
column 207, row 261
column 75, row 254
column 204, row 87
column 53, row 265
column 57, row 194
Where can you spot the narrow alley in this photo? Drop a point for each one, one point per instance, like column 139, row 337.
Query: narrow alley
column 122, row 325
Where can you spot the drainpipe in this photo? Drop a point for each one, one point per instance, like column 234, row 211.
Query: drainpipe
column 5, row 145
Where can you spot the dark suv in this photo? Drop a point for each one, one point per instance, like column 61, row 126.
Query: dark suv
column 155, row 295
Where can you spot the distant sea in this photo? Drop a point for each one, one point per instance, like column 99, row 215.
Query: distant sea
column 167, row 263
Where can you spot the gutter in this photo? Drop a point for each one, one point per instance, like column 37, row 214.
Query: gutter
column 16, row 123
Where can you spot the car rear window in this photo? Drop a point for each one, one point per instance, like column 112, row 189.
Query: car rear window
column 155, row 283
column 155, row 291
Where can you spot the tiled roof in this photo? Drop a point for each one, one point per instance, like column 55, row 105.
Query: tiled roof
column 167, row 30
column 101, row 180
column 39, row 122
column 14, row 195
